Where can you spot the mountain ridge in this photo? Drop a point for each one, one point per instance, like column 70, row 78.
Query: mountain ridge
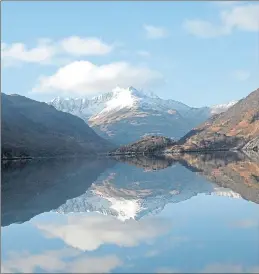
column 32, row 128
column 125, row 115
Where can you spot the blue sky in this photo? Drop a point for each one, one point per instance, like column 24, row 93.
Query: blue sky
column 199, row 53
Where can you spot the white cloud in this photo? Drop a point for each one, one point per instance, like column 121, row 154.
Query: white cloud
column 153, row 32
column 94, row 264
column 246, row 223
column 243, row 18
column 42, row 53
column 143, row 53
column 216, row 268
column 225, row 3
column 85, row 78
column 89, row 233
column 152, row 253
column 85, row 46
column 167, row 270
column 26, row 263
column 64, row 260
column 229, row 268
column 3, row 46
column 204, row 29
column 241, row 75
column 47, row 51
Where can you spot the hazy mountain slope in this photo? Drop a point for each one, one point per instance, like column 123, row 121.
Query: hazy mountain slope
column 125, row 115
column 37, row 129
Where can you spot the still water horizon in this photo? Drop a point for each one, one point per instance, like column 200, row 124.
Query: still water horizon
column 198, row 214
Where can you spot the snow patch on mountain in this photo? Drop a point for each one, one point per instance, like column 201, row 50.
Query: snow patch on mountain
column 122, row 98
column 126, row 98
column 222, row 107
column 226, row 193
column 115, row 100
column 125, row 114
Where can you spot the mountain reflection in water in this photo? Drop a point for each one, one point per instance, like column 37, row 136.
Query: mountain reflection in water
column 182, row 213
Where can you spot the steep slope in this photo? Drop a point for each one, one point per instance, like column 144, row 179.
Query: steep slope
column 31, row 128
column 126, row 115
column 238, row 127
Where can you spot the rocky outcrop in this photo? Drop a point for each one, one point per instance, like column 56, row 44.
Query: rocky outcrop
column 149, row 144
column 252, row 145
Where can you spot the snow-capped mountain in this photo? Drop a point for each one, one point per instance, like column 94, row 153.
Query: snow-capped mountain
column 125, row 115
column 117, row 99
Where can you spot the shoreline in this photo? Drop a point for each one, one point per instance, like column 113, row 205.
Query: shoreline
column 166, row 152
column 129, row 153
column 51, row 157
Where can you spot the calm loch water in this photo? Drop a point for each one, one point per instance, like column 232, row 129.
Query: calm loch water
column 196, row 215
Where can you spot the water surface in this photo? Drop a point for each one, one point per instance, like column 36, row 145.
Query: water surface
column 136, row 215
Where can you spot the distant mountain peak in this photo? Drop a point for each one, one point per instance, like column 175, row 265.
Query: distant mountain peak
column 134, row 92
column 131, row 88
column 124, row 114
